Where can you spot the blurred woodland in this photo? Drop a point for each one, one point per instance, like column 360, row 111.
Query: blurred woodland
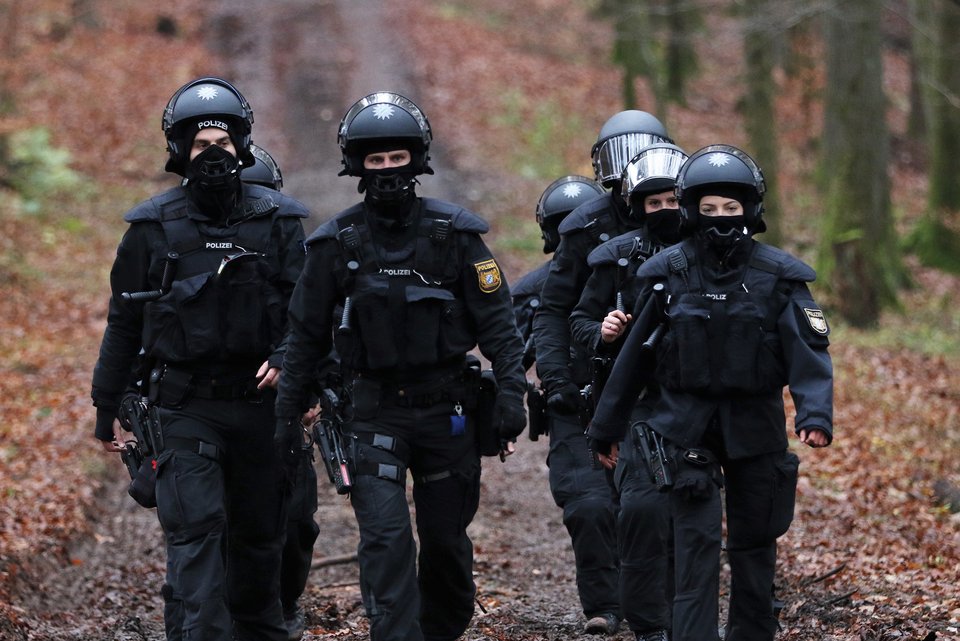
column 851, row 107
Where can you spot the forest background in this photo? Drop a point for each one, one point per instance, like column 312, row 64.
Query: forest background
column 852, row 109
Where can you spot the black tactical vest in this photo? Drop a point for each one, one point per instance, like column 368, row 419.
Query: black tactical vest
column 722, row 341
column 406, row 306
column 223, row 303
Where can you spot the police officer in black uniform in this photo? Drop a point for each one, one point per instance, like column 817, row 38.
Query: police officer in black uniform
column 740, row 325
column 220, row 260
column 560, row 197
column 589, row 505
column 302, row 528
column 599, row 323
column 420, row 289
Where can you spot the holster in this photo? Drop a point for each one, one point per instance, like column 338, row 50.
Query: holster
column 485, row 432
column 537, row 411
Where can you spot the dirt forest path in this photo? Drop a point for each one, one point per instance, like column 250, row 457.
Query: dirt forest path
column 301, row 63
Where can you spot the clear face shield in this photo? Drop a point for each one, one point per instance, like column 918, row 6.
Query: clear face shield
column 660, row 163
column 612, row 155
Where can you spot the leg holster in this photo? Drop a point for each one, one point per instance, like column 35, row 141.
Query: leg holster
column 380, row 455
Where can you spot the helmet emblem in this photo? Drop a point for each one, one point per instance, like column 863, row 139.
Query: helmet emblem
column 207, row 93
column 572, row 190
column 383, row 112
column 718, row 160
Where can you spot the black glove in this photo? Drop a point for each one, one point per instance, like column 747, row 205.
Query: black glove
column 509, row 417
column 565, row 399
column 288, row 438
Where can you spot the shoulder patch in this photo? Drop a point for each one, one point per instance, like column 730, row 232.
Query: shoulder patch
column 488, row 276
column 816, row 320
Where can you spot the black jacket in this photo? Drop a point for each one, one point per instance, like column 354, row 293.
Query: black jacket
column 477, row 308
column 795, row 335
column 139, row 266
column 560, row 361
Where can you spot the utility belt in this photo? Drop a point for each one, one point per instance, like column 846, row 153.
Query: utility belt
column 371, row 387
column 173, row 387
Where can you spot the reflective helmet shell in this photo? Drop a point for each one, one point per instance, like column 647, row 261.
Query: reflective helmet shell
column 382, row 120
column 652, row 171
column 561, row 197
column 199, row 100
column 720, row 166
column 264, row 172
column 621, row 138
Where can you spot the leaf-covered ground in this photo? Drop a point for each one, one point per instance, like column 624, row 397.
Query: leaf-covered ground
column 516, row 93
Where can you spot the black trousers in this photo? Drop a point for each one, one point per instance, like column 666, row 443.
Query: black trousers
column 589, row 513
column 302, row 532
column 223, row 519
column 437, row 603
column 645, row 539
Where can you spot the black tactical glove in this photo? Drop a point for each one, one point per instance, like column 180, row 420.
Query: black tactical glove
column 288, row 440
column 509, row 417
column 565, row 399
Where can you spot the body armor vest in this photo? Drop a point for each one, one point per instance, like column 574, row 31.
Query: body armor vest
column 405, row 305
column 722, row 341
column 223, row 303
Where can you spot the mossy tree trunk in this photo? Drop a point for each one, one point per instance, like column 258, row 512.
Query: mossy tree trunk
column 936, row 239
column 858, row 258
column 760, row 36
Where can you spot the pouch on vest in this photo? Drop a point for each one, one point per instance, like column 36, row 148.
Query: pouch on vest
column 375, row 323
column 250, row 307
column 683, row 361
column 738, row 328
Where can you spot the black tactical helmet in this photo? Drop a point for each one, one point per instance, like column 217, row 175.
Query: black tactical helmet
column 652, row 171
column 265, row 172
column 721, row 167
column 621, row 138
column 561, row 197
column 384, row 121
column 201, row 103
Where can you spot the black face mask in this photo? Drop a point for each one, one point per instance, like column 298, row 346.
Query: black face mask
column 389, row 190
column 664, row 225
column 721, row 232
column 213, row 182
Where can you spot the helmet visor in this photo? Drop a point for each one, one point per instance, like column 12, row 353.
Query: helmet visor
column 613, row 154
column 652, row 164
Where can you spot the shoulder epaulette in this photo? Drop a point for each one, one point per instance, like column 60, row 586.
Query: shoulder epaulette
column 586, row 214
column 460, row 218
column 784, row 265
column 263, row 200
column 530, row 283
column 153, row 208
column 630, row 245
column 331, row 228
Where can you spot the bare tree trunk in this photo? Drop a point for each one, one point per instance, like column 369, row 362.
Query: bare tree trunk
column 858, row 254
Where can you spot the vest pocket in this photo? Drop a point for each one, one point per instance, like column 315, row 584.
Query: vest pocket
column 249, row 309
column 181, row 325
column 370, row 307
column 684, row 359
column 426, row 306
column 739, row 367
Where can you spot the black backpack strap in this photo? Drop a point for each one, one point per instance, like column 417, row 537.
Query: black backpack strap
column 433, row 245
column 182, row 233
